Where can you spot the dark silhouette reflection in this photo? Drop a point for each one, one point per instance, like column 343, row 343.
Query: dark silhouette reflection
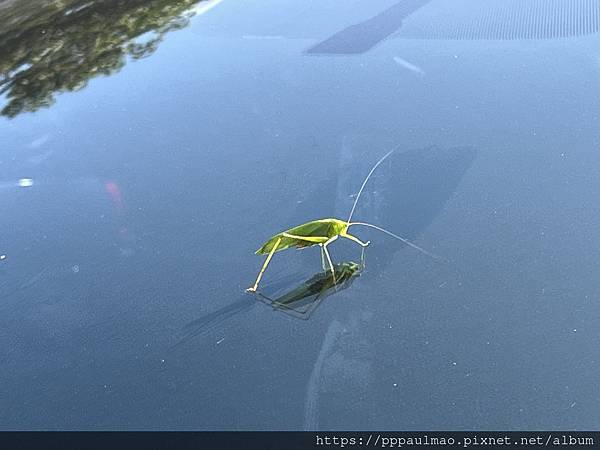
column 404, row 196
column 363, row 36
column 414, row 192
column 299, row 301
column 51, row 47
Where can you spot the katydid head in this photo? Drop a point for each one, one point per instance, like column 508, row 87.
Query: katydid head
column 336, row 227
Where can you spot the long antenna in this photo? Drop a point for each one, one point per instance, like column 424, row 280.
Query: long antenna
column 365, row 182
column 406, row 241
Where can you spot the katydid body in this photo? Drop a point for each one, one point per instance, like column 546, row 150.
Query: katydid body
column 321, row 232
column 318, row 232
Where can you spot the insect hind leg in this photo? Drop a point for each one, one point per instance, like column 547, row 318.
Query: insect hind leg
column 264, row 267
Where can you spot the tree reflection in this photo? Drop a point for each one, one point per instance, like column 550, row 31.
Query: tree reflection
column 47, row 47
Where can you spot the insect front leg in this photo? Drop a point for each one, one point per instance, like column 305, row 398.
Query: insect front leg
column 361, row 243
column 355, row 239
column 362, row 257
column 264, row 267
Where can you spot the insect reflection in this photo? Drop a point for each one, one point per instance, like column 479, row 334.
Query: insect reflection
column 299, row 301
column 302, row 301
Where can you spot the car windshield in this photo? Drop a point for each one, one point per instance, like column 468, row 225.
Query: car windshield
column 150, row 148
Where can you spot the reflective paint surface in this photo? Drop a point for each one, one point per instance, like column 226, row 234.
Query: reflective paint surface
column 148, row 148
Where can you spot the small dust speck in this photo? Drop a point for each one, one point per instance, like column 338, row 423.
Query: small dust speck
column 25, row 182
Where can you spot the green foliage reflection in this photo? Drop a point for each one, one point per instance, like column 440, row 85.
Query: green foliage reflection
column 47, row 47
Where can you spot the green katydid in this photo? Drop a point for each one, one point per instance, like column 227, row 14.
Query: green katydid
column 323, row 232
